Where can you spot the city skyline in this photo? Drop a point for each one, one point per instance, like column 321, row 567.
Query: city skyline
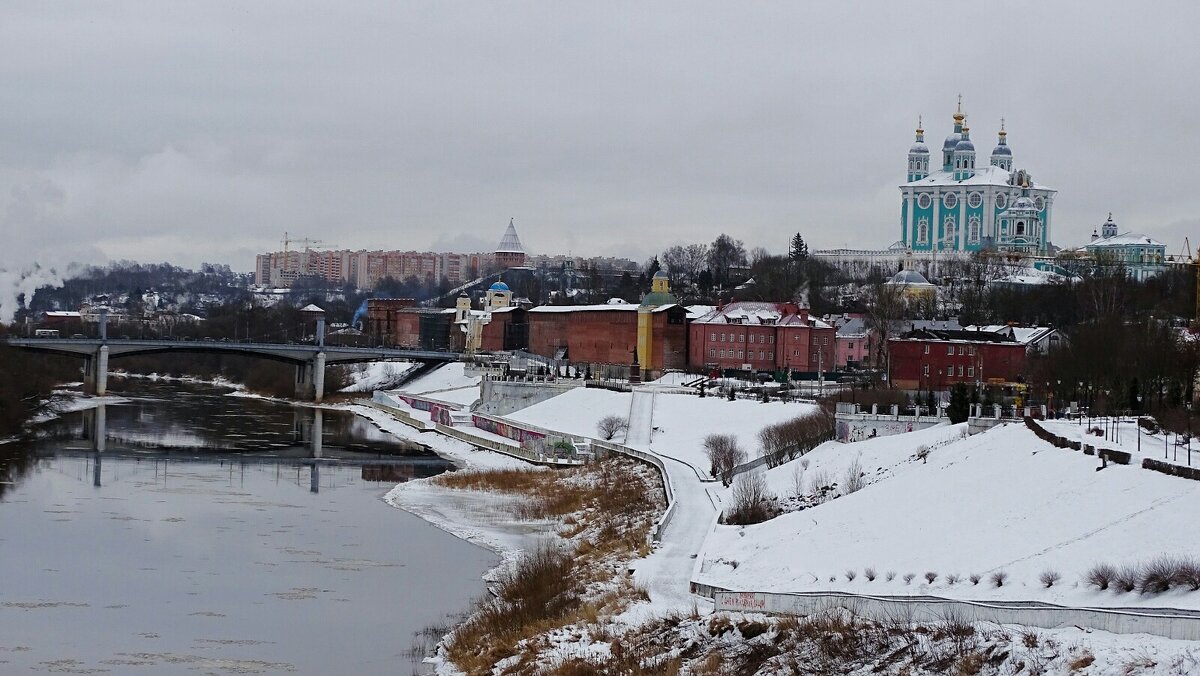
column 200, row 133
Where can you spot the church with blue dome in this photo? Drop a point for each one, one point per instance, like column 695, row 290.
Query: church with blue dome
column 958, row 206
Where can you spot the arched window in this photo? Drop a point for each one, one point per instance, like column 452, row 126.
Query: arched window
column 973, row 229
column 923, row 230
column 1020, row 227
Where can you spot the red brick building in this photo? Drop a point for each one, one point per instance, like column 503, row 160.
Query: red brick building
column 607, row 334
column 760, row 336
column 381, row 315
column 507, row 329
column 932, row 359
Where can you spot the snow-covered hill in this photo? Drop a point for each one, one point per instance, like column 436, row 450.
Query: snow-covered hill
column 1002, row 501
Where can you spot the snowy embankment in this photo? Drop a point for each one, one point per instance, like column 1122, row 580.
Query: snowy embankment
column 448, row 382
column 376, row 375
column 679, row 421
column 475, row 516
column 998, row 502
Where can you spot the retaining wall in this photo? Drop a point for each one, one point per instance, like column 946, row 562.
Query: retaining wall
column 500, row 397
column 1175, row 624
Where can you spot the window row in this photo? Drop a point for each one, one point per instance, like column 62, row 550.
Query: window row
column 950, row 349
column 968, row 372
column 740, row 338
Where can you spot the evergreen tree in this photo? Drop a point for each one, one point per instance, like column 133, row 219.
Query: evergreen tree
column 960, row 403
column 799, row 249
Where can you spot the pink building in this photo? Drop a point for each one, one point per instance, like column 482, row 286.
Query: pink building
column 853, row 341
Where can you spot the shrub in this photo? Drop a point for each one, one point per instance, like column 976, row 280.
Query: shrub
column 1100, row 575
column 1049, row 577
column 820, row 485
column 908, row 577
column 1189, row 574
column 850, row 575
column 798, row 480
column 869, row 573
column 930, row 577
column 975, row 578
column 612, row 425
column 854, row 480
column 891, row 575
column 1159, row 574
column 952, row 579
column 1127, row 578
column 999, row 578
column 751, row 500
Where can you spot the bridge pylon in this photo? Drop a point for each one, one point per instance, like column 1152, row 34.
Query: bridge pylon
column 310, row 378
column 95, row 372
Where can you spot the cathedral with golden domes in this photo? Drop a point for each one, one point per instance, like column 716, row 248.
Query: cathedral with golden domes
column 957, row 206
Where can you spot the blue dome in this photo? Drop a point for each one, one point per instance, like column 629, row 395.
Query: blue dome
column 498, row 286
column 951, row 141
column 1002, row 150
column 964, row 145
column 918, row 149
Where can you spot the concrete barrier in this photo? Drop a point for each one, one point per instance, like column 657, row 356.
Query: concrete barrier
column 1170, row 623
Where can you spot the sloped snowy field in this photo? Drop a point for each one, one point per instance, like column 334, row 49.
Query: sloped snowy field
column 680, row 421
column 999, row 501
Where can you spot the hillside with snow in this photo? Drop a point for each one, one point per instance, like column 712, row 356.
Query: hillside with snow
column 678, row 422
column 1002, row 501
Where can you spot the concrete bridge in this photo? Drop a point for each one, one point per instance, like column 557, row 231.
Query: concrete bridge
column 310, row 360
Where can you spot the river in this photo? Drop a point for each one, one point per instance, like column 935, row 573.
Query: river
column 208, row 539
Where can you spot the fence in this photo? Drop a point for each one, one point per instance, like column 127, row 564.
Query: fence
column 1176, row 624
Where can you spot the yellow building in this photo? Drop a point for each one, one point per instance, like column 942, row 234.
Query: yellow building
column 660, row 294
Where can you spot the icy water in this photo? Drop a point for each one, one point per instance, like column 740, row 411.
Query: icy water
column 203, row 542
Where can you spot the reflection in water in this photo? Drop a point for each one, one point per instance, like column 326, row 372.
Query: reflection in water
column 231, row 556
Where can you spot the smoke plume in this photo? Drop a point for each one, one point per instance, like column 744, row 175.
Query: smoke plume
column 17, row 286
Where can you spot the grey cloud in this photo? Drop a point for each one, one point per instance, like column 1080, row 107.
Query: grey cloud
column 203, row 131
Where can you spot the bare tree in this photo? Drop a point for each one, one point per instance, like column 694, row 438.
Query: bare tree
column 725, row 253
column 886, row 309
column 724, row 455
column 685, row 262
column 611, row 425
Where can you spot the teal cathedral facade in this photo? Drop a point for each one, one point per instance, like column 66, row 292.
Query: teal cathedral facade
column 951, row 203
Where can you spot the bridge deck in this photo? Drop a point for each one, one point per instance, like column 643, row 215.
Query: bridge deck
column 293, row 352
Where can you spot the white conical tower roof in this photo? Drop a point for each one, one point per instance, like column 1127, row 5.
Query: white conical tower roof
column 510, row 243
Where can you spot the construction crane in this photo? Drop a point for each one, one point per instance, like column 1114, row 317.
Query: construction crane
column 1186, row 258
column 308, row 243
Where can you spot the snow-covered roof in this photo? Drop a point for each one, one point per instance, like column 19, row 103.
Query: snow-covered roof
column 1126, row 239
column 510, row 243
column 985, row 175
column 1026, row 335
column 909, row 277
column 698, row 311
column 759, row 313
column 311, row 308
column 606, row 307
column 62, row 313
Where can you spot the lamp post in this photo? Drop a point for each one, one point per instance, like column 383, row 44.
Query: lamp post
column 1188, row 407
column 1139, row 424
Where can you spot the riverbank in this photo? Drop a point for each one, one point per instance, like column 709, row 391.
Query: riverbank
column 566, row 538
column 671, row 635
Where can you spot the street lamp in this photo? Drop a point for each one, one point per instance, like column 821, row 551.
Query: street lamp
column 1188, row 407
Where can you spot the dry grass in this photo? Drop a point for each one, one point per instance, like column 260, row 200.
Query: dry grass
column 606, row 509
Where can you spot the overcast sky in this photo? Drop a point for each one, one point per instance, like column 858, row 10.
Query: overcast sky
column 194, row 132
